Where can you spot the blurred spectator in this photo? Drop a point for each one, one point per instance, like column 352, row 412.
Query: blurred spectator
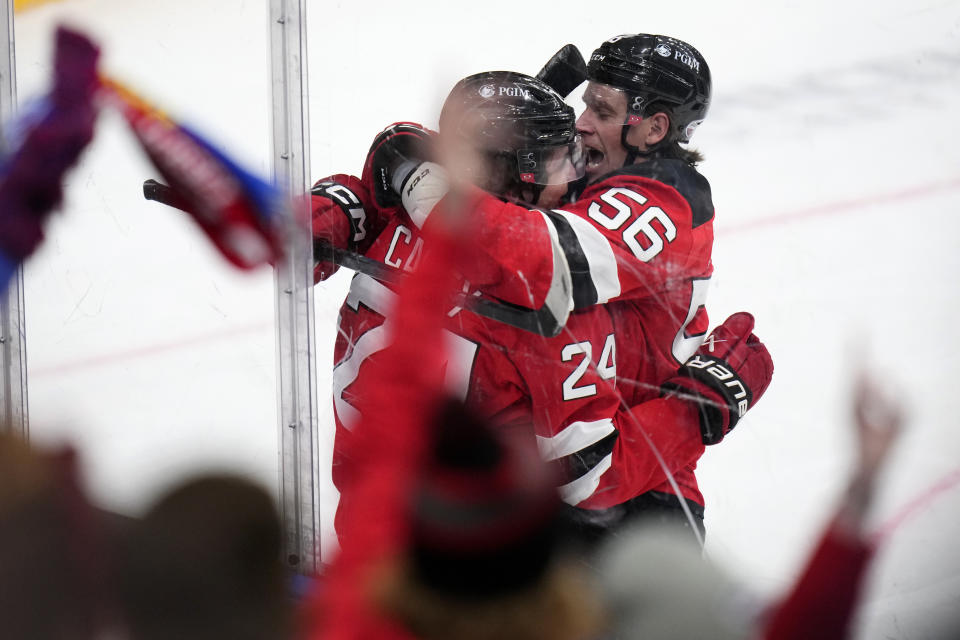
column 657, row 586
column 657, row 589
column 52, row 579
column 204, row 562
column 483, row 560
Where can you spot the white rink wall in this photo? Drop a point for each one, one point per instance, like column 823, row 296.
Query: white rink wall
column 834, row 153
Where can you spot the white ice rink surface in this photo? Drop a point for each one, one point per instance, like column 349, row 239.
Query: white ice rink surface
column 833, row 148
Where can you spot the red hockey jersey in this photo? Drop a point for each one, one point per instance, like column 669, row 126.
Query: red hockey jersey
column 639, row 240
column 646, row 257
column 562, row 385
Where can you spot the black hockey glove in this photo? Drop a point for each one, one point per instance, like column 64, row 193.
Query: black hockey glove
column 725, row 377
column 394, row 155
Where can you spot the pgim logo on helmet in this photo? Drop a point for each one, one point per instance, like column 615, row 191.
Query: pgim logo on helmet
column 663, row 50
column 687, row 58
column 513, row 91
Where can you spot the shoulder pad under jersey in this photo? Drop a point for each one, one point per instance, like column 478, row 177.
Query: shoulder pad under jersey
column 680, row 175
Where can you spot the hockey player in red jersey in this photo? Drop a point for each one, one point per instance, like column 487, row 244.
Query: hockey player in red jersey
column 640, row 235
column 645, row 97
column 563, row 385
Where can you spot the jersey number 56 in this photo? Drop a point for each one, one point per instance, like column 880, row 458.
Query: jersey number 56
column 641, row 236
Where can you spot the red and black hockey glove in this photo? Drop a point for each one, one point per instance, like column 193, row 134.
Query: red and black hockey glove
column 725, row 377
column 339, row 219
column 394, row 155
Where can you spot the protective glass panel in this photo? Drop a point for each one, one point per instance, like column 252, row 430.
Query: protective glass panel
column 147, row 349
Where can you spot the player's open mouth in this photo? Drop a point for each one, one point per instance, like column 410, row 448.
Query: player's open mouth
column 594, row 158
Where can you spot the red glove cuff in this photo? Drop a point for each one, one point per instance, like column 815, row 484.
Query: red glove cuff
column 716, row 417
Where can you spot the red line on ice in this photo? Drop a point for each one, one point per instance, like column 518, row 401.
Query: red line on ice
column 910, row 193
column 776, row 220
column 913, row 507
column 107, row 359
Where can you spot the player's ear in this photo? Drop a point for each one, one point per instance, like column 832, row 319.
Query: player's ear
column 649, row 131
column 659, row 127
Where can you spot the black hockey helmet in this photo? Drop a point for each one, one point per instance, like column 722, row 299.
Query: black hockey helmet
column 518, row 119
column 656, row 70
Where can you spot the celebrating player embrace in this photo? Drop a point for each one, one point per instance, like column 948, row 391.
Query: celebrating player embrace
column 621, row 271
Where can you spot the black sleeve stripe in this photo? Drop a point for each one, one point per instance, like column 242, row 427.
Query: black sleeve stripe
column 690, row 183
column 577, row 464
column 584, row 291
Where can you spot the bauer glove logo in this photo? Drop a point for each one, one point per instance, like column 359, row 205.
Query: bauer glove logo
column 735, row 392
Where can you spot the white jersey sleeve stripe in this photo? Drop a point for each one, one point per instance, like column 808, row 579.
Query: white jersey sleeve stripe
column 573, row 438
column 583, row 487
